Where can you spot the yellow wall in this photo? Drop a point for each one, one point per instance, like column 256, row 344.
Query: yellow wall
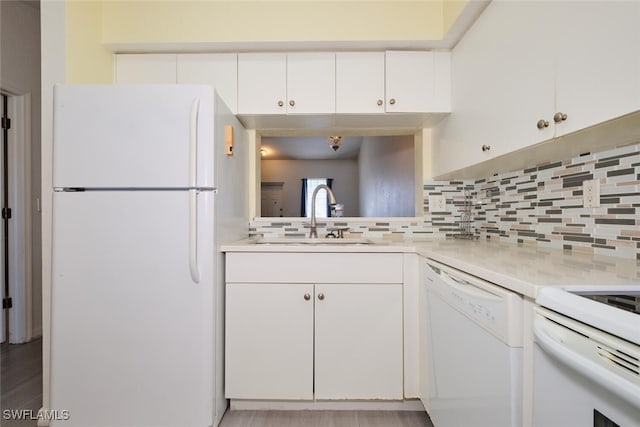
column 95, row 25
column 88, row 61
column 451, row 10
column 247, row 21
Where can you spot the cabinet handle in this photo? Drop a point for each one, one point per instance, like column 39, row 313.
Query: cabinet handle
column 280, row 103
column 392, row 101
column 559, row 117
column 380, row 102
column 292, row 102
column 320, row 297
column 542, row 124
column 307, row 297
column 486, row 147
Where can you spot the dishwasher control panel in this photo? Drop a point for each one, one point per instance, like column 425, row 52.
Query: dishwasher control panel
column 496, row 309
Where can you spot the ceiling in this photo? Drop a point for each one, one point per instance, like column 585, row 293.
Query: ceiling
column 309, row 148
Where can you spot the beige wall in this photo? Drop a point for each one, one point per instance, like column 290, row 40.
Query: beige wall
column 20, row 75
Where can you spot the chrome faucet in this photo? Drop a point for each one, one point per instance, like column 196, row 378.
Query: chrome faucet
column 332, row 201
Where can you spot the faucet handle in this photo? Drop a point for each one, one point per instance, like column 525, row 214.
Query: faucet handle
column 339, row 230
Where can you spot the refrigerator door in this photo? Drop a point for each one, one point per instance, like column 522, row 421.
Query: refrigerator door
column 133, row 136
column 132, row 315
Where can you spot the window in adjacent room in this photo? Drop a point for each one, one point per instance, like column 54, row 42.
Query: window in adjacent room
column 322, row 204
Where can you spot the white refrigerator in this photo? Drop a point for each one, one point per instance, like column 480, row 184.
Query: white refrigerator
column 144, row 194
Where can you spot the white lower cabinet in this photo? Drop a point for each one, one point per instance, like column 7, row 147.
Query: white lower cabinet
column 358, row 341
column 269, row 341
column 304, row 341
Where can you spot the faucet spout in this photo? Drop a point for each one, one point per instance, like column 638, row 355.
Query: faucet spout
column 332, row 201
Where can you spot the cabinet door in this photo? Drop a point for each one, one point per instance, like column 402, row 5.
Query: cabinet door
column 269, row 341
column 146, row 68
column 311, row 83
column 358, row 339
column 360, row 82
column 219, row 70
column 502, row 85
column 597, row 61
column 409, row 81
column 262, row 83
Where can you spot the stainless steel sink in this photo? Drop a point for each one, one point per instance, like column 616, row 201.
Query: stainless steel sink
column 311, row 241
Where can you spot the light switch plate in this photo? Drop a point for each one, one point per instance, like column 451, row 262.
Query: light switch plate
column 437, row 203
column 591, row 193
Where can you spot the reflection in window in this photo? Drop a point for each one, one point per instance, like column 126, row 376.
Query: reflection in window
column 322, row 203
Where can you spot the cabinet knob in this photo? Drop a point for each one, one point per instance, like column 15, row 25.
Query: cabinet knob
column 292, row 102
column 280, row 103
column 392, row 101
column 486, row 147
column 307, row 297
column 320, row 297
column 559, row 117
column 380, row 102
column 542, row 124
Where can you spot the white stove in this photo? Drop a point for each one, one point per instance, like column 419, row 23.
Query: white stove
column 587, row 357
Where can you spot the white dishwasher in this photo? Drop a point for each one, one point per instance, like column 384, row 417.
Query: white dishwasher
column 474, row 350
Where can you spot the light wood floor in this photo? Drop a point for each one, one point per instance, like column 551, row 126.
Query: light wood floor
column 21, row 380
column 21, row 385
column 325, row 419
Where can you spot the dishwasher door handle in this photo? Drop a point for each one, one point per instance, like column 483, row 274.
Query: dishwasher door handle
column 467, row 287
column 555, row 346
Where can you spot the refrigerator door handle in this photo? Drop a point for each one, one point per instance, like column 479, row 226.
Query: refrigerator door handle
column 193, row 142
column 193, row 236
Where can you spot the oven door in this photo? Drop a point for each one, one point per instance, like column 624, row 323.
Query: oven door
column 582, row 376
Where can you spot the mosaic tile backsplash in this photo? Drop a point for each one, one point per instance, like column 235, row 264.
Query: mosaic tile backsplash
column 541, row 205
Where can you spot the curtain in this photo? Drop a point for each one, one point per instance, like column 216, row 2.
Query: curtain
column 303, row 198
column 330, row 185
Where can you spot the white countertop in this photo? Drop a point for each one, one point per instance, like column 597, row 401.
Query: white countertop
column 521, row 268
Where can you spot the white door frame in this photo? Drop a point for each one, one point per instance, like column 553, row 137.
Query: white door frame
column 20, row 248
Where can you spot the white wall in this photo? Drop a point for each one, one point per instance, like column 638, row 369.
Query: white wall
column 20, row 75
column 343, row 172
column 387, row 176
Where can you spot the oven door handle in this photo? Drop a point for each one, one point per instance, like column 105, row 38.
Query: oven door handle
column 553, row 344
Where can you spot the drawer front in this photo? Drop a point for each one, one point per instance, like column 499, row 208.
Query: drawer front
column 265, row 267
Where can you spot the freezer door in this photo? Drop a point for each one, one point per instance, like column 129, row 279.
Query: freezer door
column 133, row 136
column 132, row 339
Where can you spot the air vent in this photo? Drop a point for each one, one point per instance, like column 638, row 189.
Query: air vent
column 619, row 358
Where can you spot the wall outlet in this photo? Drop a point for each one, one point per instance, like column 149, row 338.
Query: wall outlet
column 591, row 193
column 437, row 203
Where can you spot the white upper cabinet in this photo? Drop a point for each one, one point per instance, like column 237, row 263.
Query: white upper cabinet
column 146, row 68
column 501, row 87
column 311, row 83
column 274, row 83
column 597, row 61
column 527, row 72
column 393, row 82
column 360, row 82
column 218, row 70
column 262, row 83
column 409, row 81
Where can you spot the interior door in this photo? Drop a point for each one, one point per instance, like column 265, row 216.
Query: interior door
column 132, row 332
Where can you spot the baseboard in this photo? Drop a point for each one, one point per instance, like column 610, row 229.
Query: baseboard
column 36, row 333
column 327, row 405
